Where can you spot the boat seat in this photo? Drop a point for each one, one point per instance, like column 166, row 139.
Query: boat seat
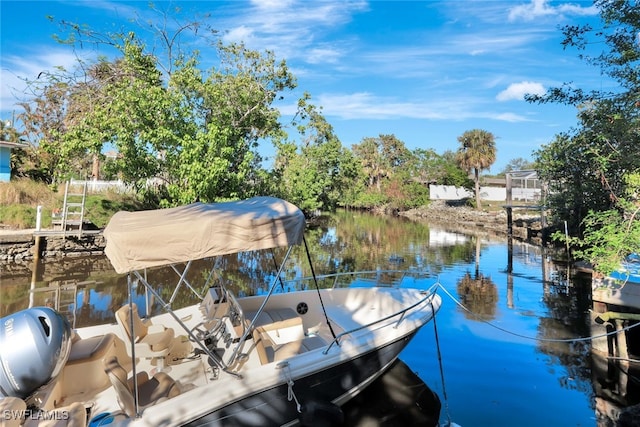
column 151, row 341
column 152, row 390
column 84, row 370
column 272, row 348
column 271, row 316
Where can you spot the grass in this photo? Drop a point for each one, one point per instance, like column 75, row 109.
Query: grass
column 25, row 192
column 19, row 200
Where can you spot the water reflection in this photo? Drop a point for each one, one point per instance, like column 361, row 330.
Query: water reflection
column 538, row 371
column 479, row 295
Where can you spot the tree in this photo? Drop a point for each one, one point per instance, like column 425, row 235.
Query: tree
column 235, row 109
column 320, row 173
column 124, row 103
column 518, row 164
column 381, row 158
column 453, row 174
column 194, row 132
column 477, row 152
column 371, row 160
column 596, row 164
column 44, row 127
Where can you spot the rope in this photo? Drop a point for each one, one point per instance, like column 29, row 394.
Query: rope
column 568, row 340
column 291, row 395
column 315, row 280
column 444, row 390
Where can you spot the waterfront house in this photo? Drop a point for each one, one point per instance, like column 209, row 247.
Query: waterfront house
column 5, row 159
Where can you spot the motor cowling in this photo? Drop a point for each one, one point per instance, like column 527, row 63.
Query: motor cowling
column 34, row 347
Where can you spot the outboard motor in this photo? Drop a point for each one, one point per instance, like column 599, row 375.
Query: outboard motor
column 34, row 346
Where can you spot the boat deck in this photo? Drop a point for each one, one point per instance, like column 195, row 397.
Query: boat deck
column 292, row 325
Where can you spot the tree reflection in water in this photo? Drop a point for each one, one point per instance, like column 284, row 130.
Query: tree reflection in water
column 479, row 295
column 545, row 309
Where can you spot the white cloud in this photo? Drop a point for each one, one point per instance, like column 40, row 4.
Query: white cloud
column 368, row 106
column 269, row 5
column 16, row 69
column 238, row 34
column 323, row 56
column 517, row 91
column 541, row 8
column 509, row 117
column 291, row 28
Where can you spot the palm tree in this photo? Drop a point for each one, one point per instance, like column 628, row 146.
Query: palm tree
column 477, row 152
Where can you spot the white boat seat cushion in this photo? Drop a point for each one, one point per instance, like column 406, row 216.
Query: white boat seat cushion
column 268, row 351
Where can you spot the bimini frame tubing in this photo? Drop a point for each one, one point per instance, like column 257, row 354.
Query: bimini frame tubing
column 167, row 307
column 183, row 279
column 247, row 330
column 133, row 346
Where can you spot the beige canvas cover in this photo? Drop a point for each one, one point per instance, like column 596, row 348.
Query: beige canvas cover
column 144, row 239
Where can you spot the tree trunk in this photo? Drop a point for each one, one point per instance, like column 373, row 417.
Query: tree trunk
column 476, row 173
column 95, row 172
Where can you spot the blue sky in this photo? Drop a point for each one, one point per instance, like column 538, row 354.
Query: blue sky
column 425, row 71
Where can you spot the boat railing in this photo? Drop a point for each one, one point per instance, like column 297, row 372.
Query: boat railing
column 377, row 275
column 430, row 294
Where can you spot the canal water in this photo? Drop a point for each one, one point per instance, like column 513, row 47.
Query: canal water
column 506, row 348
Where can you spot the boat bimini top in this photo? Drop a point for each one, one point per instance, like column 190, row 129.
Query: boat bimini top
column 144, row 239
column 140, row 240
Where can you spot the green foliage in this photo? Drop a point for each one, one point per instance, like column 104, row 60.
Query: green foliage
column 194, row 132
column 609, row 239
column 99, row 208
column 408, row 195
column 19, row 200
column 183, row 133
column 452, row 173
column 370, row 199
column 518, row 164
column 592, row 171
column 477, row 152
column 22, row 216
column 381, row 157
column 611, row 235
column 319, row 174
column 570, row 168
column 203, row 169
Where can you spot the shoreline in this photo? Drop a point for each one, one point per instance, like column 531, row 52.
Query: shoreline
column 525, row 227
column 22, row 245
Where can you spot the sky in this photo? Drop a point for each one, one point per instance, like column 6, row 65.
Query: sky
column 424, row 71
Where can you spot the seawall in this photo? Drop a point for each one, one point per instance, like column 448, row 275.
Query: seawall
column 25, row 245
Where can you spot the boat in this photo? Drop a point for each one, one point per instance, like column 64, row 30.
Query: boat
column 289, row 355
column 620, row 287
